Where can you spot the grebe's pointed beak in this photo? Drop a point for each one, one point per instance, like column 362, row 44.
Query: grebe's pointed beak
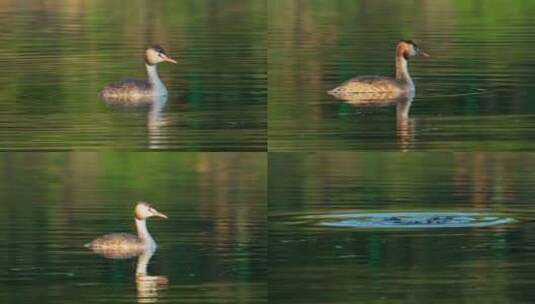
column 157, row 213
column 422, row 53
column 169, row 59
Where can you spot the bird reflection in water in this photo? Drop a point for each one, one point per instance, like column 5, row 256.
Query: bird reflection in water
column 156, row 118
column 148, row 286
column 404, row 124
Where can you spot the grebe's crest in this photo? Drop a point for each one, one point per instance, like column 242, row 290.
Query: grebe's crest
column 144, row 210
column 408, row 48
column 156, row 54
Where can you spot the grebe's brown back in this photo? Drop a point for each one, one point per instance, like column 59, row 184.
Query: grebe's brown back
column 395, row 87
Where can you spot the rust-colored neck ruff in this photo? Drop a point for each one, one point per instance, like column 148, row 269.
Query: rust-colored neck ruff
column 402, row 71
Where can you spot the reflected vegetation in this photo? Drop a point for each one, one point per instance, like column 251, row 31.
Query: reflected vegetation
column 213, row 246
column 474, row 93
column 345, row 264
column 482, row 181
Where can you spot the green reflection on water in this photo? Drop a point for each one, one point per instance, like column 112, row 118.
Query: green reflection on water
column 57, row 56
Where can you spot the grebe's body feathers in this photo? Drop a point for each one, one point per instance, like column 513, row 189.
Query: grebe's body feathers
column 370, row 84
column 115, row 240
column 396, row 87
column 128, row 90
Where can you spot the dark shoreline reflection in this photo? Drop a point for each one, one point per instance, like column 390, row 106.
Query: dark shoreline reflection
column 404, row 124
column 155, row 116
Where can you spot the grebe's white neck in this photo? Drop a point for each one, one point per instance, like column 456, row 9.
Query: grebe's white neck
column 158, row 88
column 143, row 234
column 402, row 72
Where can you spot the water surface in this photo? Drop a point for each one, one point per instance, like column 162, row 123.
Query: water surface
column 211, row 249
column 56, row 56
column 333, row 264
column 475, row 92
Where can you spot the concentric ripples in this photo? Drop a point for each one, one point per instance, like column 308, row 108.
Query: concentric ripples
column 404, row 220
column 367, row 227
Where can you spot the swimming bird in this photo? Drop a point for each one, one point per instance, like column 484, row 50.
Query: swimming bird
column 390, row 87
column 135, row 89
column 125, row 245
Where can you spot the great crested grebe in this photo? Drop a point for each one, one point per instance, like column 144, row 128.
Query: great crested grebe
column 394, row 87
column 132, row 89
column 124, row 244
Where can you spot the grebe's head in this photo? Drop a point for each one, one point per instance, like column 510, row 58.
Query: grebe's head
column 407, row 48
column 156, row 54
column 144, row 210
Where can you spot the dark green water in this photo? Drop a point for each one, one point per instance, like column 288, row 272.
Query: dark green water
column 456, row 265
column 212, row 248
column 56, row 56
column 474, row 93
